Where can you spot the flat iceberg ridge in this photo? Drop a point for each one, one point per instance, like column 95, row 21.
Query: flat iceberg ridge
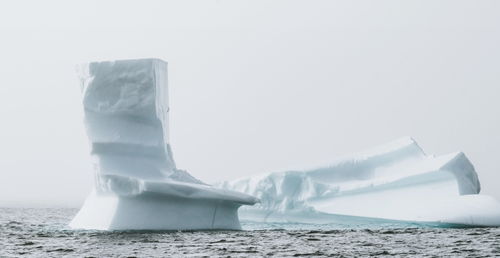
column 138, row 185
column 395, row 181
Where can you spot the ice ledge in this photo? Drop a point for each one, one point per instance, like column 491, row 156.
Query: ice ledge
column 133, row 187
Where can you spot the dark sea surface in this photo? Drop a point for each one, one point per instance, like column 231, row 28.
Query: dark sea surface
column 44, row 233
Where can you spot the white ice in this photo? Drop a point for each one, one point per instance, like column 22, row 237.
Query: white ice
column 396, row 181
column 138, row 186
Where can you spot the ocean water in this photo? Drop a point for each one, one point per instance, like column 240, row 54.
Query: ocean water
column 44, row 233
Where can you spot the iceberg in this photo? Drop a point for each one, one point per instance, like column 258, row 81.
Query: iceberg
column 137, row 184
column 393, row 182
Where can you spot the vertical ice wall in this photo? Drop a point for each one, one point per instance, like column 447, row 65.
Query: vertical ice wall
column 126, row 115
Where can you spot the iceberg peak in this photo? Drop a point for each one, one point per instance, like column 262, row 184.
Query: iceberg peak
column 138, row 185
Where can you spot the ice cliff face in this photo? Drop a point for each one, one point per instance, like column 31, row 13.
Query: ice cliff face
column 126, row 115
column 137, row 183
column 396, row 181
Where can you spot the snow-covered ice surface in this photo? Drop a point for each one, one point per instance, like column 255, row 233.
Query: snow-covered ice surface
column 137, row 184
column 393, row 182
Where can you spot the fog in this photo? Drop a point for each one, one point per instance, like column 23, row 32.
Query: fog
column 255, row 86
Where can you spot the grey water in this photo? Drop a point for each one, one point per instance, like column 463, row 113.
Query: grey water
column 44, row 233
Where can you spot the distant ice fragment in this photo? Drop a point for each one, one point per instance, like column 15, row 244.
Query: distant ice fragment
column 396, row 181
column 138, row 186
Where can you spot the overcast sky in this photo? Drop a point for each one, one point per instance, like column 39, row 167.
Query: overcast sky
column 255, row 86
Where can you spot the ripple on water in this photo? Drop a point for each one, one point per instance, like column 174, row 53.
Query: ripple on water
column 43, row 233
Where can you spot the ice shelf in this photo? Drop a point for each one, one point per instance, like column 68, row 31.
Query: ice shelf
column 396, row 181
column 137, row 184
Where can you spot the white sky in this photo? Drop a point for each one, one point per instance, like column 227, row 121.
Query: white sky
column 255, row 86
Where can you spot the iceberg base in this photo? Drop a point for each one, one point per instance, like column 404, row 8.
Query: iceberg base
column 150, row 211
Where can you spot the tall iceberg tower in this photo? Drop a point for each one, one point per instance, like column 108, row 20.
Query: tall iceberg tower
column 137, row 185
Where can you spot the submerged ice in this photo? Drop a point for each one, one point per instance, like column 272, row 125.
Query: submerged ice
column 138, row 185
column 396, row 181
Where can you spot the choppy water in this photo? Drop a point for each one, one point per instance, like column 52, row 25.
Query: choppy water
column 43, row 233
